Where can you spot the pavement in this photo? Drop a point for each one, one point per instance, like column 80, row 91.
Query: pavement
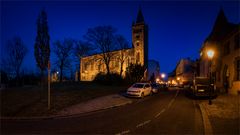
column 96, row 104
column 222, row 117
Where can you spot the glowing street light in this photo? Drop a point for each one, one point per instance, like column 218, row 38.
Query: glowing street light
column 178, row 78
column 210, row 54
column 163, row 75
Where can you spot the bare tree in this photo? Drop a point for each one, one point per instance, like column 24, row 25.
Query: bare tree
column 103, row 38
column 122, row 45
column 16, row 51
column 63, row 53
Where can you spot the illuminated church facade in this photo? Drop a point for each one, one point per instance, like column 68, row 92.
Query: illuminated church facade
column 138, row 54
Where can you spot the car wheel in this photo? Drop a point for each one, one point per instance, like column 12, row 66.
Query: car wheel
column 142, row 95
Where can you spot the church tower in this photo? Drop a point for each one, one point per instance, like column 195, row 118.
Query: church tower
column 140, row 40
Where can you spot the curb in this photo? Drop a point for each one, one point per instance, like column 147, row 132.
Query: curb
column 62, row 116
column 206, row 122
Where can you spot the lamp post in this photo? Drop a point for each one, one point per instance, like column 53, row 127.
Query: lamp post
column 210, row 54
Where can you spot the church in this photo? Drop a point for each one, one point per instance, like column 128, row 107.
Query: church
column 138, row 54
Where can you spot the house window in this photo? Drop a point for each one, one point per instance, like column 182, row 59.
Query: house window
column 238, row 69
column 226, row 48
column 236, row 41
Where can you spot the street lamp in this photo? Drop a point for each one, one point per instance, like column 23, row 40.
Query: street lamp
column 163, row 75
column 210, row 54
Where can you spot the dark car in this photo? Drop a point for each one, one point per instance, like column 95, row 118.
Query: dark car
column 155, row 87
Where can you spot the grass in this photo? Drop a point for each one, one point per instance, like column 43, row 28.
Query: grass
column 32, row 100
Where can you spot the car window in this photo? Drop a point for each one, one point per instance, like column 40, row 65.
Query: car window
column 137, row 85
column 154, row 85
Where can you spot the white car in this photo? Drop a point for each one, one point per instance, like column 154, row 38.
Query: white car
column 139, row 90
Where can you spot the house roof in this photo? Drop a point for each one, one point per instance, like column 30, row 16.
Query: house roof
column 221, row 28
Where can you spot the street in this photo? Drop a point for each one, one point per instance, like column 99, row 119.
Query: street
column 168, row 112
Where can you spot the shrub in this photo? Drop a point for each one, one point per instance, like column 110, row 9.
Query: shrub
column 111, row 79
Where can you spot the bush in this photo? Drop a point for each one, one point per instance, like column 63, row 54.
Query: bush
column 111, row 79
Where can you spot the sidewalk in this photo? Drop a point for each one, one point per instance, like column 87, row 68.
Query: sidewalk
column 96, row 104
column 223, row 115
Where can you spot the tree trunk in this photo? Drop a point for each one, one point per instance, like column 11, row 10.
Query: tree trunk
column 61, row 74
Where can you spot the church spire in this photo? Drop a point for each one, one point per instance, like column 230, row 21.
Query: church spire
column 140, row 18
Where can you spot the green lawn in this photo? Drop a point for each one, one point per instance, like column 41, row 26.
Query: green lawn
column 32, row 100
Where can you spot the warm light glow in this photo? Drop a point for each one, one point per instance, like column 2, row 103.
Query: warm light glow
column 178, row 78
column 210, row 54
column 163, row 75
column 157, row 80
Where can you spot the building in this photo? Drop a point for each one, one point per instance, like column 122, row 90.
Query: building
column 153, row 69
column 185, row 71
column 138, row 54
column 225, row 64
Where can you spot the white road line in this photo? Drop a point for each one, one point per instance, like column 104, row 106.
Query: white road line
column 170, row 103
column 144, row 123
column 163, row 110
column 123, row 132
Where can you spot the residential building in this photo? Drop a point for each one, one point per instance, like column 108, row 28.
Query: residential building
column 225, row 64
column 153, row 69
column 185, row 71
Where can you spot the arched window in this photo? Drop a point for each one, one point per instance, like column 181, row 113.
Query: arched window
column 138, row 58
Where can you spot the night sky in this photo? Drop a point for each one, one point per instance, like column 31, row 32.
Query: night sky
column 176, row 29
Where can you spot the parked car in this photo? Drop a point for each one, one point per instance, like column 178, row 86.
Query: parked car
column 155, row 87
column 139, row 90
column 201, row 87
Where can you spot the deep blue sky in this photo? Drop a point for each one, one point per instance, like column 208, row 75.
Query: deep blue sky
column 176, row 29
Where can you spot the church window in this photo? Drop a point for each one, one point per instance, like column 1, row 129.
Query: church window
column 137, row 43
column 138, row 58
column 137, row 36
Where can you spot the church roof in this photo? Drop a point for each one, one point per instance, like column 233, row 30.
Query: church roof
column 221, row 27
column 140, row 18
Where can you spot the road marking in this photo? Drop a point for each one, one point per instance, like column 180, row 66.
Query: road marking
column 163, row 110
column 144, row 123
column 123, row 132
column 170, row 103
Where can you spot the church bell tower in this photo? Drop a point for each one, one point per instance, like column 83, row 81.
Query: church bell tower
column 140, row 40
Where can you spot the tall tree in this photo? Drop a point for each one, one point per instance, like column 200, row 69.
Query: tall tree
column 63, row 52
column 122, row 44
column 42, row 45
column 16, row 51
column 103, row 38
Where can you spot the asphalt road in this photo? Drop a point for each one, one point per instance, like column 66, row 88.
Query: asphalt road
column 168, row 112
